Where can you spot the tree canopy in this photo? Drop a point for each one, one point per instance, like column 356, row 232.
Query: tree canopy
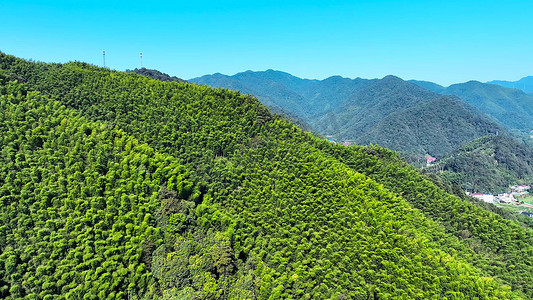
column 114, row 185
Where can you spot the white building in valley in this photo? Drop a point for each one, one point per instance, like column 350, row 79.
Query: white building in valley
column 489, row 198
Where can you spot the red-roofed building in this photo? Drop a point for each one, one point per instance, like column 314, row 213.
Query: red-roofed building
column 430, row 159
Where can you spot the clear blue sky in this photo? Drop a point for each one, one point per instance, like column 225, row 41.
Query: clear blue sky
column 440, row 41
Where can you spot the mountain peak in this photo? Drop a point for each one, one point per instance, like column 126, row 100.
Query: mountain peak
column 392, row 77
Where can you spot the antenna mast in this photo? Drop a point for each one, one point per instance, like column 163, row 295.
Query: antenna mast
column 141, row 56
column 103, row 54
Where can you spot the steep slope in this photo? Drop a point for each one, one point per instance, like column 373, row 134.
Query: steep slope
column 512, row 108
column 77, row 202
column 435, row 127
column 488, row 164
column 460, row 217
column 525, row 84
column 284, row 215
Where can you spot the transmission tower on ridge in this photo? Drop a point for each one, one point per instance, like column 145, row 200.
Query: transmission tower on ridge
column 103, row 54
column 141, row 56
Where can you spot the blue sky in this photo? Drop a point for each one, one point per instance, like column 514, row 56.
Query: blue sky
column 440, row 41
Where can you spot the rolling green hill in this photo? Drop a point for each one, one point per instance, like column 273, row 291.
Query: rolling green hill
column 220, row 199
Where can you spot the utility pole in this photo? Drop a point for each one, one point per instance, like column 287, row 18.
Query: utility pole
column 141, row 56
column 103, row 54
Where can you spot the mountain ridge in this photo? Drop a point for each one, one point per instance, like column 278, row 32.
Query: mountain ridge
column 155, row 74
column 525, row 84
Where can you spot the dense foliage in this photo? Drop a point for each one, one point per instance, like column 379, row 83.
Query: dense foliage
column 76, row 202
column 502, row 246
column 488, row 164
column 261, row 210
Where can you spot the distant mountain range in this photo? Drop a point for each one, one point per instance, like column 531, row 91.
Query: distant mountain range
column 408, row 117
column 402, row 116
column 155, row 74
column 416, row 118
column 304, row 97
column 525, row 84
column 511, row 107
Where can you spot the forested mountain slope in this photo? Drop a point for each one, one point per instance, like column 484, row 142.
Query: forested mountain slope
column 404, row 117
column 436, row 128
column 78, row 202
column 367, row 107
column 487, row 164
column 512, row 108
column 268, row 210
